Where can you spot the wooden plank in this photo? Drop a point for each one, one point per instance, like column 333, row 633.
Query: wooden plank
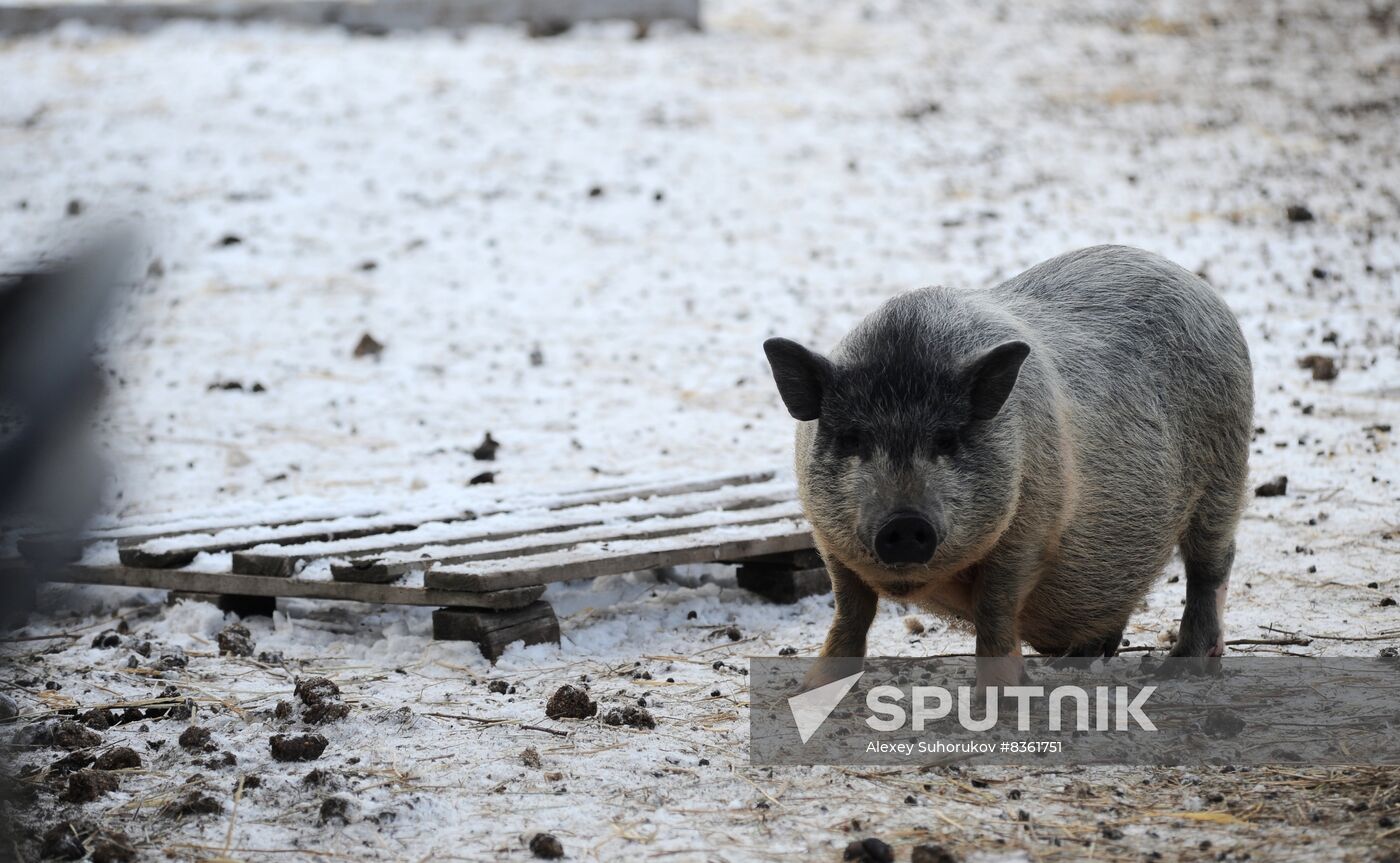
column 401, row 552
column 493, row 631
column 670, row 489
column 357, row 15
column 380, row 571
column 709, row 546
column 156, row 554
column 253, row 585
column 52, row 546
column 287, row 560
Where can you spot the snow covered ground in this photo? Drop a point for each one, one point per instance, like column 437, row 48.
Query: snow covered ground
column 579, row 244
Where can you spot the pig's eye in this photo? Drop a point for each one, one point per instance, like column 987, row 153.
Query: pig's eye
column 945, row 443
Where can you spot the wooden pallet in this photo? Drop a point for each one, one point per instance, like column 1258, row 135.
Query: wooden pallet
column 485, row 570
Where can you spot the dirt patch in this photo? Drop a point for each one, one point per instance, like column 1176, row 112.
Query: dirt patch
column 1323, row 368
column 112, row 847
column 107, row 639
column 931, row 854
column 120, row 758
column 297, row 747
column 174, row 707
column 221, row 761
column 70, row 762
column 64, row 841
column 570, row 702
column 486, row 450
column 870, row 850
column 336, row 810
column 197, row 739
column 1298, row 213
column 312, row 690
column 72, row 735
column 546, row 846
column 321, row 698
column 193, row 802
column 636, row 717
column 367, row 346
column 318, row 777
column 235, row 640
column 98, row 719
column 171, row 659
column 85, row 786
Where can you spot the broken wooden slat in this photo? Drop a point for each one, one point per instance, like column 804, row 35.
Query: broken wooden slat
column 527, row 541
column 589, row 561
column 493, row 631
column 416, row 549
column 253, row 585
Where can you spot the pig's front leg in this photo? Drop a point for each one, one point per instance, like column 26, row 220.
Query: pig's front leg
column 844, row 651
column 994, row 615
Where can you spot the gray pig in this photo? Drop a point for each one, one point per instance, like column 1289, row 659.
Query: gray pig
column 1027, row 457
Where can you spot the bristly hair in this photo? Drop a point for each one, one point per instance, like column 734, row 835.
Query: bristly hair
column 899, row 376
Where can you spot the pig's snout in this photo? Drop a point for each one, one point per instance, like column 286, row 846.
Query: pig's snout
column 906, row 538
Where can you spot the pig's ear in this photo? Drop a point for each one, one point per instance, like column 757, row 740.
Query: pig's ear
column 802, row 377
column 991, row 377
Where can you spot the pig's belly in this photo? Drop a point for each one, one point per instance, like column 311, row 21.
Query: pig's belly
column 1083, row 600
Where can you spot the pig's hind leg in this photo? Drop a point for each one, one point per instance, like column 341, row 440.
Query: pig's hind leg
column 1208, row 551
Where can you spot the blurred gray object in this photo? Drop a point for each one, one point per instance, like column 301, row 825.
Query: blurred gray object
column 50, row 478
column 542, row 17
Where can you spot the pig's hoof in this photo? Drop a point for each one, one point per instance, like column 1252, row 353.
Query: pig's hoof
column 1188, row 647
column 831, row 670
column 1200, row 665
column 1000, row 672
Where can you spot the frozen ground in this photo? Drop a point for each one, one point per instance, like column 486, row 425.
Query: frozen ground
column 640, row 215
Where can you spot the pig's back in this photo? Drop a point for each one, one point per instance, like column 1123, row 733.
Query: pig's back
column 1127, row 330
